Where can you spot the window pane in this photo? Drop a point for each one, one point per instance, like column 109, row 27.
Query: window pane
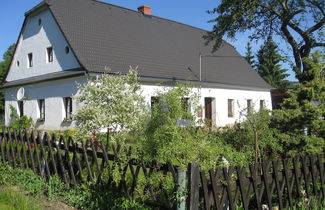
column 154, row 102
column 30, row 60
column 41, row 104
column 50, row 54
column 262, row 104
column 230, row 107
column 186, row 105
column 249, row 105
column 68, row 107
column 21, row 108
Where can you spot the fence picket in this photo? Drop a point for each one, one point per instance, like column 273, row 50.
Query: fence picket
column 275, row 183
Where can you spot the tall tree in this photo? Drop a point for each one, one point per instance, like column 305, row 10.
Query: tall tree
column 268, row 65
column 304, row 110
column 299, row 22
column 4, row 65
column 249, row 54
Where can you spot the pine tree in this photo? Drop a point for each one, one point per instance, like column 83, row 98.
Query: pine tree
column 249, row 54
column 269, row 65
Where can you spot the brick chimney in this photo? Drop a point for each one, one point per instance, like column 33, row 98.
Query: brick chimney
column 146, row 10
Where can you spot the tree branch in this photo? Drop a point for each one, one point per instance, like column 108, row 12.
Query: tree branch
column 295, row 48
column 319, row 45
column 316, row 26
column 316, row 4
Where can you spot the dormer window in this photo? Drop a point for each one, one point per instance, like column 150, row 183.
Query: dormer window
column 30, row 60
column 49, row 52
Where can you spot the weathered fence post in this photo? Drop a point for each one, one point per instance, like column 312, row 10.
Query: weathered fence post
column 193, row 186
column 181, row 189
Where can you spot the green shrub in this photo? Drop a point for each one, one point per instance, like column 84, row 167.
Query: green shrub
column 22, row 122
column 81, row 197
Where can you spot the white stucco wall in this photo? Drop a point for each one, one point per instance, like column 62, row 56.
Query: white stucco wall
column 54, row 91
column 220, row 103
column 35, row 39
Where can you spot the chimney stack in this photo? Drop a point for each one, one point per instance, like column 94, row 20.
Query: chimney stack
column 146, row 10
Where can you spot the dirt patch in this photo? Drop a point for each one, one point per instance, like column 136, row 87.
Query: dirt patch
column 54, row 205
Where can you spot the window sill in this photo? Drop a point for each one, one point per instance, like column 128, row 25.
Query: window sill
column 40, row 120
column 67, row 121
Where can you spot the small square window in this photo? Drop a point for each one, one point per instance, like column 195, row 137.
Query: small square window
column 68, row 107
column 49, row 51
column 30, row 60
column 41, row 107
column 230, row 107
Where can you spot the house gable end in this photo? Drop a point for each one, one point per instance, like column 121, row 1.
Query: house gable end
column 41, row 48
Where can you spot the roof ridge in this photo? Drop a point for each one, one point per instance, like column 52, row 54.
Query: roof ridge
column 162, row 18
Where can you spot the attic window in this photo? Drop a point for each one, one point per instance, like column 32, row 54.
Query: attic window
column 30, row 60
column 39, row 21
column 49, row 52
column 67, row 50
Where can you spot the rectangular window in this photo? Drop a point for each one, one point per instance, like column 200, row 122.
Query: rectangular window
column 68, row 107
column 262, row 104
column 186, row 105
column 154, row 102
column 230, row 107
column 249, row 105
column 41, row 107
column 30, row 60
column 21, row 108
column 49, row 51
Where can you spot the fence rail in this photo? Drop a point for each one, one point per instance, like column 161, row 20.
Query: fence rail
column 81, row 162
column 280, row 183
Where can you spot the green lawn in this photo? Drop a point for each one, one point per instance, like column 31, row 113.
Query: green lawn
column 13, row 200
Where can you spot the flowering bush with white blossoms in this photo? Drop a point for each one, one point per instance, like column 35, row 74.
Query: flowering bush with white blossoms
column 111, row 102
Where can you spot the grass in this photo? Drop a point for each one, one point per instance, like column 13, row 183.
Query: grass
column 12, row 200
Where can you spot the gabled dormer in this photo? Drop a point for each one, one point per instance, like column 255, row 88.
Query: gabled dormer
column 41, row 48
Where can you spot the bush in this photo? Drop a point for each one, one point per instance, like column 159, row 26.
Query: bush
column 22, row 122
column 81, row 197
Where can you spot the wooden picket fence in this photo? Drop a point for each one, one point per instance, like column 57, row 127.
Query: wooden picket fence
column 275, row 184
column 82, row 162
column 280, row 183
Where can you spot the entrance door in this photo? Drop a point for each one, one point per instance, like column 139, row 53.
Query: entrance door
column 208, row 111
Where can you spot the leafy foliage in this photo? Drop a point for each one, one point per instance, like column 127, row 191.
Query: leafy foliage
column 303, row 112
column 4, row 65
column 111, row 101
column 19, row 123
column 81, row 197
column 172, row 136
column 269, row 67
column 300, row 23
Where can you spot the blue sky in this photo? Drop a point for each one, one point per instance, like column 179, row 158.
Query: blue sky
column 184, row 11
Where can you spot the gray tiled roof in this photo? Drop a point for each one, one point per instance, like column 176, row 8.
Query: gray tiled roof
column 102, row 35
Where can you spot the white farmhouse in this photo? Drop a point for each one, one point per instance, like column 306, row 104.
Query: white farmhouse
column 63, row 43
